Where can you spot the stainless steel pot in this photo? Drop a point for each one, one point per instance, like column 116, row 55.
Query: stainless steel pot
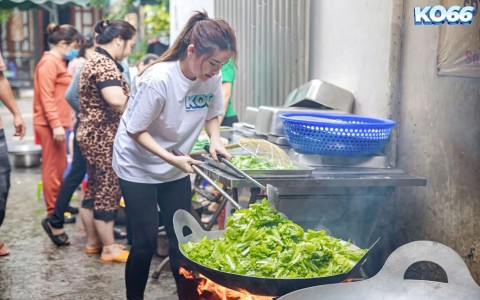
column 226, row 132
column 26, row 156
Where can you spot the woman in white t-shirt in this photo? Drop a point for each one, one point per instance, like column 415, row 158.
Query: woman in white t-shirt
column 169, row 104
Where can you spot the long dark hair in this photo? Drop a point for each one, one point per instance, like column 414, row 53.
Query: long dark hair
column 65, row 32
column 108, row 30
column 206, row 34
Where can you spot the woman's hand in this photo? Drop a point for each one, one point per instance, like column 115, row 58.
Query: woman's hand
column 184, row 163
column 216, row 147
column 59, row 134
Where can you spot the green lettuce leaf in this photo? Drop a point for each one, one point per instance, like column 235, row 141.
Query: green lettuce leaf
column 260, row 242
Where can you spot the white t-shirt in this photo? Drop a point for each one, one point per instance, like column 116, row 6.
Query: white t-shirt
column 173, row 109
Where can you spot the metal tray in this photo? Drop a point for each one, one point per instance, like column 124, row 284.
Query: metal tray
column 301, row 171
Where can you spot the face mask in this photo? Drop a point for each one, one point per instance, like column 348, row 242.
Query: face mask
column 73, row 53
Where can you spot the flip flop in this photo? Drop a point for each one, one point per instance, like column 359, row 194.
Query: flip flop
column 93, row 250
column 3, row 250
column 60, row 239
column 121, row 257
column 99, row 250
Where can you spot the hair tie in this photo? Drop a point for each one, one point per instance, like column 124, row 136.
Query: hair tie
column 106, row 23
column 57, row 27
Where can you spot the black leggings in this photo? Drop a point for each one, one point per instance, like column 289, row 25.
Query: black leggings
column 70, row 183
column 141, row 201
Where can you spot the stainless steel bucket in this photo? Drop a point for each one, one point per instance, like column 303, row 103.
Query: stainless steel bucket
column 26, row 156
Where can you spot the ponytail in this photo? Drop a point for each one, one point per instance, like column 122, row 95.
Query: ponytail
column 179, row 48
column 108, row 30
column 65, row 32
column 206, row 34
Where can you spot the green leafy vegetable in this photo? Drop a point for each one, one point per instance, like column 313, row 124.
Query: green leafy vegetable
column 260, row 242
column 200, row 143
column 251, row 162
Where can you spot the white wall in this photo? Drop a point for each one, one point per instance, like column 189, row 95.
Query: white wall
column 182, row 10
column 373, row 49
column 440, row 140
column 345, row 51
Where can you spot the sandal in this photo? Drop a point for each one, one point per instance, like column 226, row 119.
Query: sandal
column 99, row 250
column 60, row 239
column 93, row 250
column 3, row 249
column 121, row 257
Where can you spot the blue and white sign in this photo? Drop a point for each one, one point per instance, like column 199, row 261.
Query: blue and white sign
column 438, row 14
column 196, row 102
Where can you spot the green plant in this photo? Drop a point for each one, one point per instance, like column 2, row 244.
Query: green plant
column 140, row 51
column 4, row 15
column 120, row 14
column 157, row 19
column 99, row 3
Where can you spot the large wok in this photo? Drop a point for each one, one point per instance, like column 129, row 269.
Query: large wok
column 254, row 285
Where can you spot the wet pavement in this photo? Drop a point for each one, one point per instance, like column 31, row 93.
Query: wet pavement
column 36, row 268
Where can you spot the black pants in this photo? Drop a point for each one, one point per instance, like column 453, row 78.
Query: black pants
column 141, row 205
column 70, row 183
column 4, row 175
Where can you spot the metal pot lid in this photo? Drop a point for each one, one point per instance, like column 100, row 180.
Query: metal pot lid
column 320, row 94
column 389, row 283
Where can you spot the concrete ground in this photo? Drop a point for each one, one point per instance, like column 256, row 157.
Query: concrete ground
column 36, row 268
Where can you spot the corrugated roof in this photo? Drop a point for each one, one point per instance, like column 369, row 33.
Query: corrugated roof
column 28, row 4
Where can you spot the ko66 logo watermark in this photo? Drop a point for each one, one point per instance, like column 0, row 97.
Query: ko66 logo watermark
column 438, row 14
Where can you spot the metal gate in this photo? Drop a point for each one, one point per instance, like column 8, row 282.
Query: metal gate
column 273, row 42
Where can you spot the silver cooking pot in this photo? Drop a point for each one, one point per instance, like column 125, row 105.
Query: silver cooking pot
column 26, row 156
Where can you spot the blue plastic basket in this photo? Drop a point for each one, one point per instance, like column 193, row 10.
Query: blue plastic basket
column 334, row 134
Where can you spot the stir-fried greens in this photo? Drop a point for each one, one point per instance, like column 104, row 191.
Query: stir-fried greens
column 251, row 162
column 260, row 242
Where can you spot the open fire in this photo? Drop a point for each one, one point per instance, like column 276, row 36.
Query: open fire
column 209, row 290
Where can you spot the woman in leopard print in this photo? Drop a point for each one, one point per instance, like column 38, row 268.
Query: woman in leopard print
column 103, row 94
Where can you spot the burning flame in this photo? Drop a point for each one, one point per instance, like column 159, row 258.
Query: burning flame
column 186, row 273
column 209, row 290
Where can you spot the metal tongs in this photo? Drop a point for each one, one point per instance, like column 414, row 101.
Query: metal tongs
column 272, row 191
column 209, row 180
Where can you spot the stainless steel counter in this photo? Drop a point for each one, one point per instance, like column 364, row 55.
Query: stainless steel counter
column 324, row 177
column 355, row 204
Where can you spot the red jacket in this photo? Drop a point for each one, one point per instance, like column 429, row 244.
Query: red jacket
column 51, row 80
